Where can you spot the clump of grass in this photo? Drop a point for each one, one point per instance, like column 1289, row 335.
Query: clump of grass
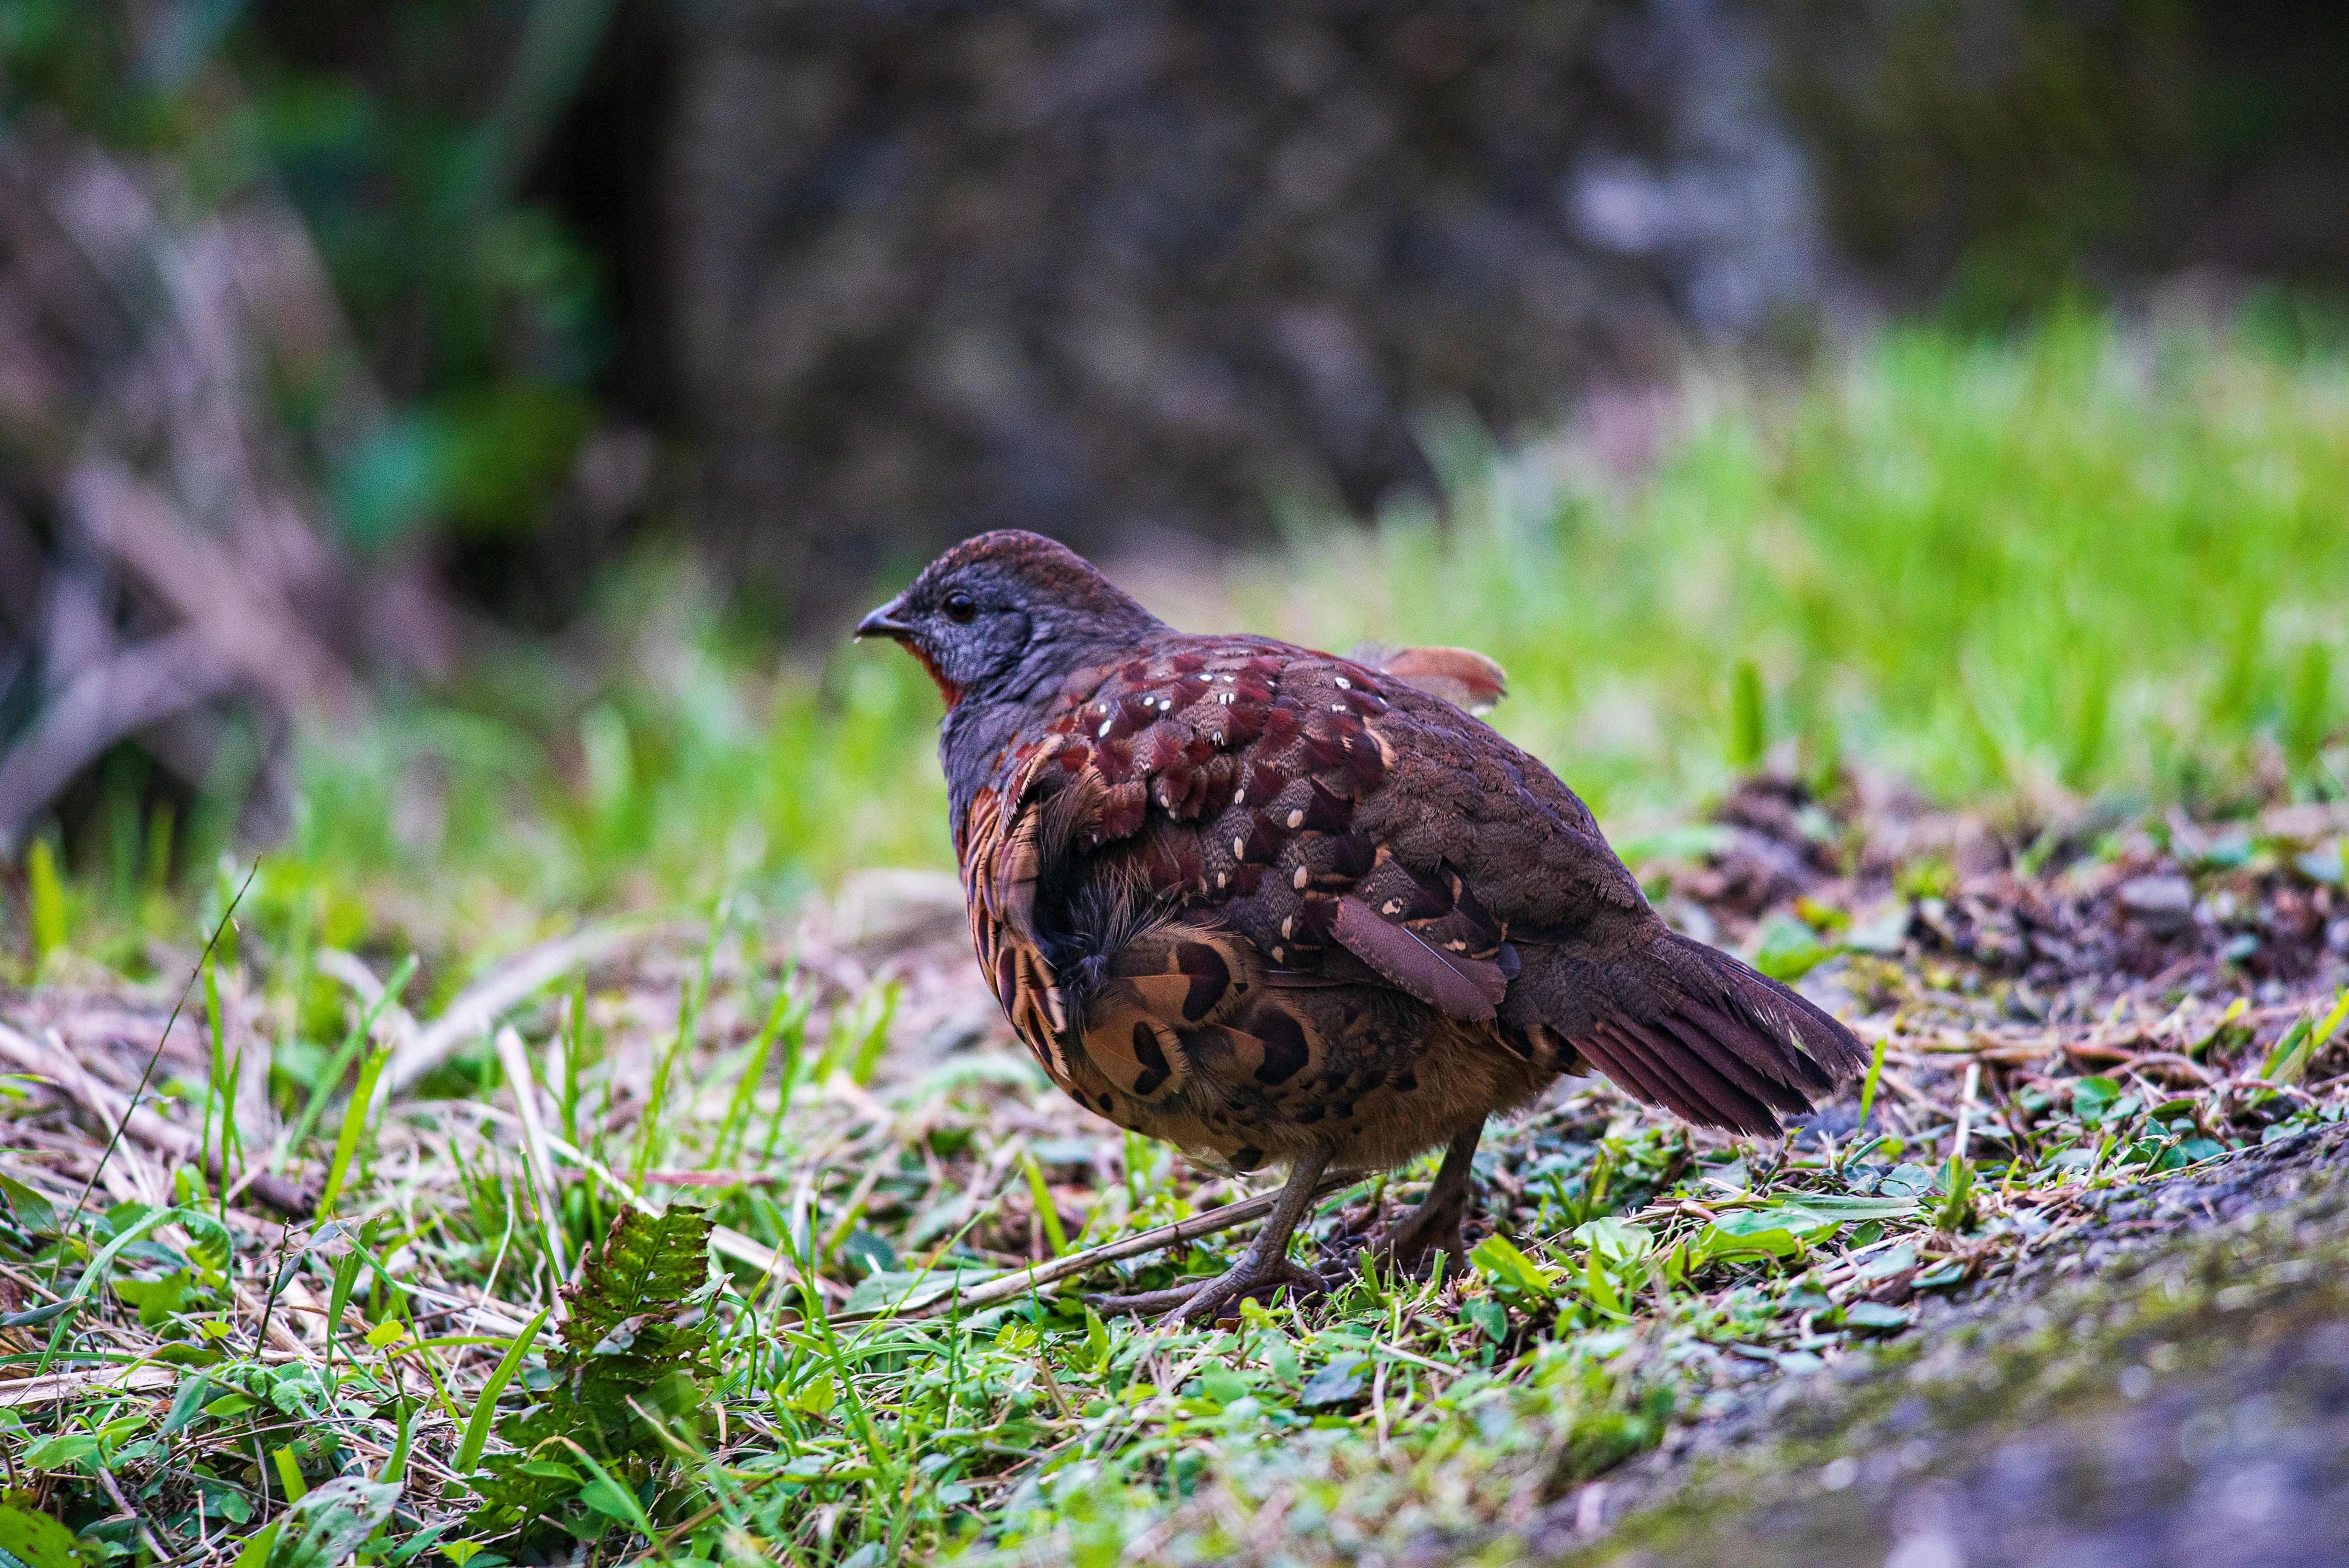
column 2084, row 559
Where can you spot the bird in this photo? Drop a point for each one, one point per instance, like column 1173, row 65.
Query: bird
column 1276, row 905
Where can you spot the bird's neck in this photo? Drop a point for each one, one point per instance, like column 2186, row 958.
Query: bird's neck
column 984, row 720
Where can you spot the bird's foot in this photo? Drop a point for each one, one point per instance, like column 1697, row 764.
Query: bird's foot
column 1209, row 1300
column 1412, row 1244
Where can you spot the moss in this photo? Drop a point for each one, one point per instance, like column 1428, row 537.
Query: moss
column 2039, row 1351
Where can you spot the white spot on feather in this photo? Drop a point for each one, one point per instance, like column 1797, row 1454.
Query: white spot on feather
column 1297, row 819
column 1300, row 879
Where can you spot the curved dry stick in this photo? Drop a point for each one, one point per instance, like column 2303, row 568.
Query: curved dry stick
column 476, row 1008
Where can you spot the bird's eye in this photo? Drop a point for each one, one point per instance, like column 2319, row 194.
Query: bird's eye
column 959, row 608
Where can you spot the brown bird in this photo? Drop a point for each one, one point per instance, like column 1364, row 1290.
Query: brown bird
column 1272, row 904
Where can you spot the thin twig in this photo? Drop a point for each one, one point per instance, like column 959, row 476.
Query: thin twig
column 154, row 1547
column 1013, row 1286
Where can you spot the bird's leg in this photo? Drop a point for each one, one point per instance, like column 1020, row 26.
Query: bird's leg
column 1435, row 1224
column 1266, row 1263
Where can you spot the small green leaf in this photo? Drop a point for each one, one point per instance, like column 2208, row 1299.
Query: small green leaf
column 1789, row 949
column 32, row 1211
column 1601, row 1286
column 60, row 1450
column 876, row 1256
column 1223, row 1385
column 187, row 1403
column 210, row 1247
column 1875, row 1317
column 2288, row 1062
column 1892, row 1260
column 608, row 1498
column 1616, row 1238
column 2091, row 1097
column 35, row 1540
column 1490, row 1317
column 1337, row 1383
column 1501, row 1262
column 1723, row 1245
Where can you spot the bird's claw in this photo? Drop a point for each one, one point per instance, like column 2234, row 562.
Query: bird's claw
column 1410, row 1245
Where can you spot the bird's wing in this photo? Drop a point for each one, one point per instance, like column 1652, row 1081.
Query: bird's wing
column 1299, row 818
column 1227, row 782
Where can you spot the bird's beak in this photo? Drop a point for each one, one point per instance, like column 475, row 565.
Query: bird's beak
column 883, row 622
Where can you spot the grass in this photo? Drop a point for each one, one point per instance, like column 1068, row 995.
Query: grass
column 767, row 1414
column 2084, row 562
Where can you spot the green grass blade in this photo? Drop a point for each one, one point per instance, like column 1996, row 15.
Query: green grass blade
column 45, row 892
column 736, row 1123
column 484, row 1417
column 1868, row 1089
column 1749, row 735
column 356, row 1116
column 689, row 1004
column 1046, row 1214
column 340, row 1062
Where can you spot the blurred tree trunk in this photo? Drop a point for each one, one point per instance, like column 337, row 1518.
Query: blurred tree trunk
column 1121, row 270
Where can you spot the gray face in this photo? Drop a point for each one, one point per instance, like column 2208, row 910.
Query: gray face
column 968, row 626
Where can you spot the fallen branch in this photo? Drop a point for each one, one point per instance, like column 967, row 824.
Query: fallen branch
column 129, row 691
column 59, row 1387
column 248, row 630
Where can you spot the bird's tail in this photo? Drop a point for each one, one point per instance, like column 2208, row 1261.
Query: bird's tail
column 1683, row 1025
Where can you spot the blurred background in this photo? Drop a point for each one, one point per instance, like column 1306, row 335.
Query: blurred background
column 444, row 441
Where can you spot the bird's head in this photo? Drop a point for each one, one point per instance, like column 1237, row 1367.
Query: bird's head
column 1004, row 608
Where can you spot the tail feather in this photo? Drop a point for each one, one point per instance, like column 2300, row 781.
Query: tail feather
column 1683, row 1025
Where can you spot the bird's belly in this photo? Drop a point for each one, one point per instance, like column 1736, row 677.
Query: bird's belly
column 1370, row 1102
